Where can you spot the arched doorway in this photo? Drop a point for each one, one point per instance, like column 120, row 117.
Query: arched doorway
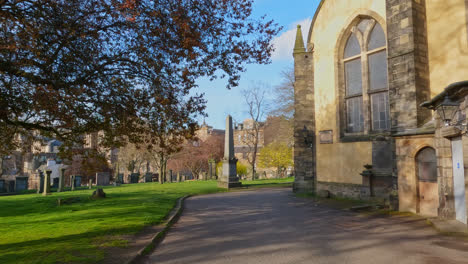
column 427, row 187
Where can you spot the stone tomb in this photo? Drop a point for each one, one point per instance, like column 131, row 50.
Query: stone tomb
column 102, row 178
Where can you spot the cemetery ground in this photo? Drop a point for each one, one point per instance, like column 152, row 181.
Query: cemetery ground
column 35, row 229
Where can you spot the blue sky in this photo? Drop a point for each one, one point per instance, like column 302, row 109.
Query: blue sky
column 287, row 13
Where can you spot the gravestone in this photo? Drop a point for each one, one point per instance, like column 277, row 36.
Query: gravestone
column 102, row 178
column 211, row 169
column 47, row 183
column 90, row 183
column 10, row 186
column 21, row 184
column 2, row 186
column 134, row 177
column 229, row 177
column 170, row 174
column 61, row 183
column 178, row 177
column 155, row 177
column 41, row 182
column 148, row 177
column 55, row 183
column 120, row 178
column 78, row 181
column 73, row 182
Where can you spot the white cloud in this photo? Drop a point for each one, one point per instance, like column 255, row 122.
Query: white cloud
column 284, row 43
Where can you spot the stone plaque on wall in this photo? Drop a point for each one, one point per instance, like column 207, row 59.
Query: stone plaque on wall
column 326, row 137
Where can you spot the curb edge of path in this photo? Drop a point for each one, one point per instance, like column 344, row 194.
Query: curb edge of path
column 173, row 216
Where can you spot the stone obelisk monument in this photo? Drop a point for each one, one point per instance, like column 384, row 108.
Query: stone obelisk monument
column 229, row 178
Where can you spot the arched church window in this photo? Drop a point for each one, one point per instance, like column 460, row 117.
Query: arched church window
column 366, row 78
column 353, row 76
column 427, row 165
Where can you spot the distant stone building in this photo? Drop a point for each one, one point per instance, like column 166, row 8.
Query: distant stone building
column 205, row 131
column 367, row 67
column 244, row 136
column 274, row 129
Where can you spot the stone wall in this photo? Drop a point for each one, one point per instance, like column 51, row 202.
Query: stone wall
column 304, row 118
column 407, row 63
column 344, row 190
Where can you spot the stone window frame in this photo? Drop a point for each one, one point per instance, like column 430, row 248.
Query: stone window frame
column 368, row 134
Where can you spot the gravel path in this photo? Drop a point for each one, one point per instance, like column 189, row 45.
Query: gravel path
column 273, row 226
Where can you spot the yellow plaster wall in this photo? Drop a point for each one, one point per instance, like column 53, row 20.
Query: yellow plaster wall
column 448, row 42
column 338, row 162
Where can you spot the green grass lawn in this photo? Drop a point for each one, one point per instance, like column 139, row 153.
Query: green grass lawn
column 34, row 229
column 269, row 182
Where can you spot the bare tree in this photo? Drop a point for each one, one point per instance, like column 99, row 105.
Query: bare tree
column 256, row 106
column 283, row 102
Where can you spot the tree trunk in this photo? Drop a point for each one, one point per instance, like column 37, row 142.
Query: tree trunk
column 254, row 158
column 178, row 176
column 161, row 169
column 165, row 172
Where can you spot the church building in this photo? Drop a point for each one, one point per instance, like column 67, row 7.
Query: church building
column 371, row 82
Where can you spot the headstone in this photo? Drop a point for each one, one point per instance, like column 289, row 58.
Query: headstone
column 90, row 183
column 61, row 183
column 21, row 184
column 47, row 183
column 155, row 177
column 2, row 186
column 73, row 182
column 120, row 178
column 55, row 183
column 211, row 169
column 10, row 186
column 102, row 178
column 178, row 177
column 41, row 182
column 148, row 177
column 134, row 177
column 229, row 178
column 78, row 181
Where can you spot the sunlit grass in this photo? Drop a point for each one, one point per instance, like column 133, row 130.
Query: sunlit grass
column 34, row 229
